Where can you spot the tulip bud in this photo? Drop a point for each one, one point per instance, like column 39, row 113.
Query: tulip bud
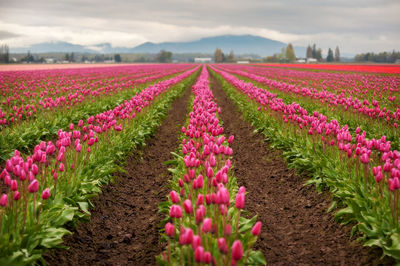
column 46, row 194
column 206, row 225
column 33, row 186
column 169, row 230
column 222, row 246
column 240, row 200
column 61, row 168
column 174, row 196
column 14, row 185
column 196, row 242
column 199, row 254
column 17, row 195
column 187, row 204
column 255, row 231
column 237, row 250
column 4, row 200
column 228, row 230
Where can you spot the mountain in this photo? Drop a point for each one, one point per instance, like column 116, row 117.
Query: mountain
column 239, row 44
column 46, row 47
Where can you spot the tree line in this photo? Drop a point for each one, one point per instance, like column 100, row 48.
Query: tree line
column 382, row 57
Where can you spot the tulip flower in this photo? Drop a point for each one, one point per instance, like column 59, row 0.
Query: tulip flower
column 46, row 194
column 237, row 250
column 4, row 200
column 255, row 231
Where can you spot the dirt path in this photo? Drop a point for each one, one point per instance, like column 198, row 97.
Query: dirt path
column 296, row 228
column 124, row 227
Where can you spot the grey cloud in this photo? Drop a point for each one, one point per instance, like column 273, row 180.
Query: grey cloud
column 306, row 18
column 7, row 35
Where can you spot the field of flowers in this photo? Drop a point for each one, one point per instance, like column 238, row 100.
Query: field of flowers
column 64, row 133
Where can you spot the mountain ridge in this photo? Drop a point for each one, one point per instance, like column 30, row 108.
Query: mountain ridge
column 239, row 44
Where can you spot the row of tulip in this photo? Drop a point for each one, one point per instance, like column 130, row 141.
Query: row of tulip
column 204, row 208
column 54, row 185
column 361, row 173
column 376, row 126
column 377, row 89
column 366, row 106
column 27, row 95
column 25, row 135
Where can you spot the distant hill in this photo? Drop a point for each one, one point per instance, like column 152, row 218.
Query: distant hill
column 239, row 44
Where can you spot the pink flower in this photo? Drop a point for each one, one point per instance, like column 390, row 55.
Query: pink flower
column 14, row 185
column 255, row 231
column 169, row 229
column 199, row 254
column 207, row 257
column 17, row 195
column 240, row 200
column 4, row 200
column 228, row 230
column 61, row 168
column 237, row 250
column 187, row 204
column 196, row 242
column 46, row 194
column 222, row 246
column 174, row 196
column 206, row 225
column 33, row 186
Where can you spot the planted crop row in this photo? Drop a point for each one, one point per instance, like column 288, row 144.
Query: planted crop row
column 54, row 185
column 362, row 174
column 371, row 102
column 204, row 208
column 351, row 118
column 25, row 135
column 27, row 94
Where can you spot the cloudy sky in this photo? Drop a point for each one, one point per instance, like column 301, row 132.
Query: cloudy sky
column 354, row 25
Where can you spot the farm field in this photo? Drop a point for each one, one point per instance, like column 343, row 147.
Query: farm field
column 191, row 164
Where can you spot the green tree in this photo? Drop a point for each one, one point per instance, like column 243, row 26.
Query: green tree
column 314, row 51
column 218, row 56
column 164, row 56
column 337, row 54
column 117, row 58
column 290, row 56
column 231, row 57
column 318, row 54
column 4, row 54
column 66, row 57
column 330, row 56
column 309, row 53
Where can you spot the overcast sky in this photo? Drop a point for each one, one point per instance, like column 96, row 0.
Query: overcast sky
column 354, row 25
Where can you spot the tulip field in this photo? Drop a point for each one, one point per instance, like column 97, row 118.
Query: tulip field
column 67, row 137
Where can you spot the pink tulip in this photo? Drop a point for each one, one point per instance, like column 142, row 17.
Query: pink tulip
column 255, row 231
column 199, row 254
column 222, row 246
column 237, row 250
column 33, row 186
column 4, row 200
column 17, row 195
column 240, row 200
column 174, row 196
column 46, row 194
column 196, row 242
column 169, row 230
column 187, row 204
column 206, row 225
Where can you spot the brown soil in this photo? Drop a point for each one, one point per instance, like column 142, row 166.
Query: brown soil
column 124, row 226
column 297, row 230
